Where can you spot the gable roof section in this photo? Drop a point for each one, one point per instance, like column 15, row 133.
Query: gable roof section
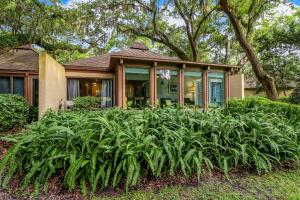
column 23, row 58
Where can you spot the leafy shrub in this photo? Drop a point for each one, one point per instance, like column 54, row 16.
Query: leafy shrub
column 250, row 104
column 86, row 103
column 33, row 114
column 107, row 146
column 295, row 96
column 13, row 112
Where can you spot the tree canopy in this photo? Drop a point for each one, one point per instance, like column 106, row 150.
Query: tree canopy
column 251, row 33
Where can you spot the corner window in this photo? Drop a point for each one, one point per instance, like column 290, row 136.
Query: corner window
column 215, row 89
column 193, row 88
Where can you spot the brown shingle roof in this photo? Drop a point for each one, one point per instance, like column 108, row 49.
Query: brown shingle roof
column 99, row 62
column 137, row 51
column 22, row 58
column 102, row 62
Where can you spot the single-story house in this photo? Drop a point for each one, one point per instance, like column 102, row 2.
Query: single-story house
column 253, row 88
column 131, row 77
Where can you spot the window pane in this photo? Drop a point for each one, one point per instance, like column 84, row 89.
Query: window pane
column 35, row 92
column 73, row 89
column 18, row 86
column 137, row 87
column 193, row 88
column 167, row 87
column 215, row 89
column 106, row 94
column 4, row 85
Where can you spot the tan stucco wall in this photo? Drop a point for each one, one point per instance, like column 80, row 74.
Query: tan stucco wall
column 236, row 86
column 52, row 84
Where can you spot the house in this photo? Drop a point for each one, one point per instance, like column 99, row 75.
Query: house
column 132, row 77
column 253, row 88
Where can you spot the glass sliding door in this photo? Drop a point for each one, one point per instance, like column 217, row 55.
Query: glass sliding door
column 215, row 88
column 137, row 87
column 193, row 88
column 91, row 87
column 167, row 87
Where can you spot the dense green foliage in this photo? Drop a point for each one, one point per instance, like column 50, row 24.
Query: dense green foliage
column 108, row 146
column 13, row 112
column 86, row 103
column 295, row 96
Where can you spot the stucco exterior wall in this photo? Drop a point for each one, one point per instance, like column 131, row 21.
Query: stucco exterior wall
column 52, row 84
column 236, row 86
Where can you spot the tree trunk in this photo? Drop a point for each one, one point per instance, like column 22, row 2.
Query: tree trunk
column 266, row 80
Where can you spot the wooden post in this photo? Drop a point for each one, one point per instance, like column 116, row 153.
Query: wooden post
column 205, row 89
column 27, row 89
column 153, row 89
column 181, row 85
column 120, row 79
column 227, row 87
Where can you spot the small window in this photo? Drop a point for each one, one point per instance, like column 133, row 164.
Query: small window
column 12, row 85
column 4, row 85
column 18, row 86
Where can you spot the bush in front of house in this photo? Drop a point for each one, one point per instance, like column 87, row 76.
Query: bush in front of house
column 86, row 103
column 295, row 96
column 113, row 147
column 14, row 112
column 265, row 105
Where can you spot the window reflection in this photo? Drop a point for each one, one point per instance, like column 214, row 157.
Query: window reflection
column 193, row 88
column 167, row 87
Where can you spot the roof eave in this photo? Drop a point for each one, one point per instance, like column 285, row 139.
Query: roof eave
column 176, row 61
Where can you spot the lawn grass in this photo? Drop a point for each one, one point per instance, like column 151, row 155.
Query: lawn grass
column 276, row 185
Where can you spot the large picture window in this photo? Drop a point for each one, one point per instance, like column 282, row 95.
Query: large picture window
column 167, row 87
column 193, row 88
column 12, row 85
column 91, row 87
column 215, row 89
column 137, row 87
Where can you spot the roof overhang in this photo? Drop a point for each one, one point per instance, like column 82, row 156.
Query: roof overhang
column 176, row 62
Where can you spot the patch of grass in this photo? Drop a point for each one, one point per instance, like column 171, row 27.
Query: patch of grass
column 275, row 185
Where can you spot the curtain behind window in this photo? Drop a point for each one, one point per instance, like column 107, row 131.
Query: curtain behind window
column 106, row 93
column 4, row 85
column 73, row 88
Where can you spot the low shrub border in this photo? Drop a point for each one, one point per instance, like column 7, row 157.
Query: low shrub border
column 102, row 148
column 14, row 112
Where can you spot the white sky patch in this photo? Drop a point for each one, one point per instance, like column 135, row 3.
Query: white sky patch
column 72, row 3
column 175, row 21
column 283, row 9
